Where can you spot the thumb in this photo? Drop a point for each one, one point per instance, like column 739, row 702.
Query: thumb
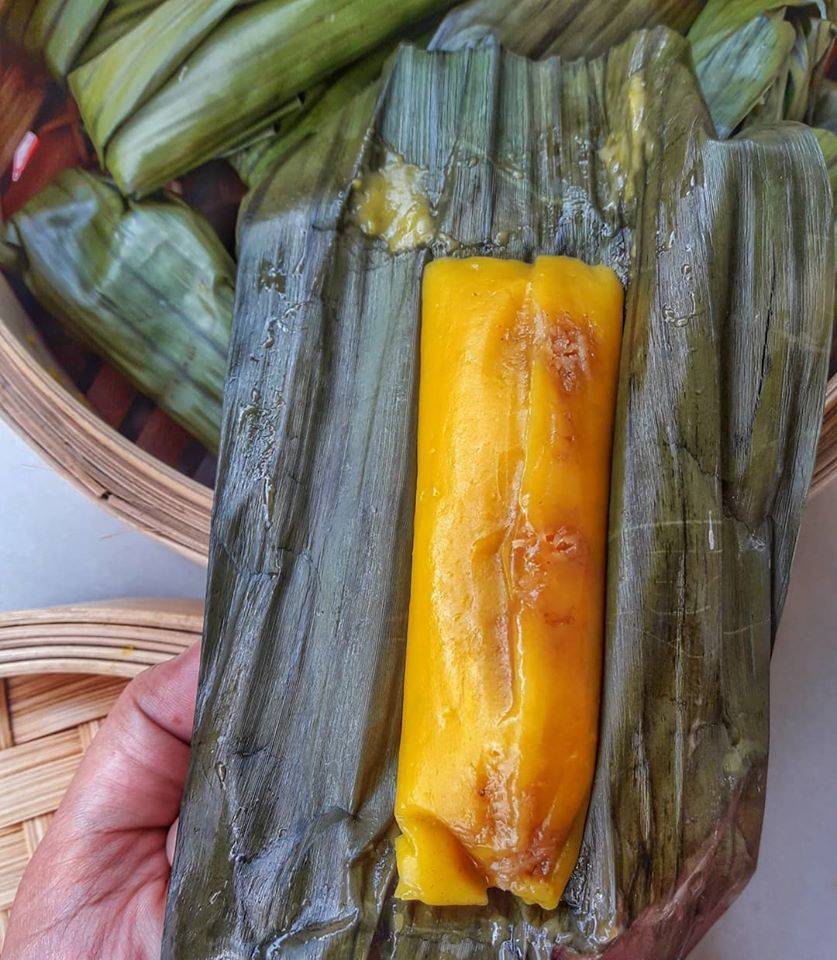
column 133, row 773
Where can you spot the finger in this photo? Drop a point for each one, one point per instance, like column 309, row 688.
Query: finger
column 132, row 776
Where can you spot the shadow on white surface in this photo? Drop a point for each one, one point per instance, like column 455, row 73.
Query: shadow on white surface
column 59, row 546
column 789, row 909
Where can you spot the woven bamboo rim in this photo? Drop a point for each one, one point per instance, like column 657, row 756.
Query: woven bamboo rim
column 110, row 638
column 46, row 411
column 61, row 669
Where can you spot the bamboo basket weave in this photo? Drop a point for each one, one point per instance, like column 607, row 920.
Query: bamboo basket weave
column 61, row 669
column 77, row 411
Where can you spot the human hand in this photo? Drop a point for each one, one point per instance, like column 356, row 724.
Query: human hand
column 96, row 886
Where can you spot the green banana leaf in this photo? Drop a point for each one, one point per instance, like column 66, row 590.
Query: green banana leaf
column 758, row 58
column 61, row 28
column 284, row 845
column 721, row 19
column 121, row 79
column 793, row 92
column 319, row 107
column 245, row 158
column 148, row 285
column 65, row 33
column 814, row 38
column 745, row 51
column 52, row 30
column 533, row 27
column 120, row 17
column 541, row 28
column 189, row 83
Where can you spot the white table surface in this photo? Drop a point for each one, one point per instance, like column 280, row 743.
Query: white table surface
column 57, row 546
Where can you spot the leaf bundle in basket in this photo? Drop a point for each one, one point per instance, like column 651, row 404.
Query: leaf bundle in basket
column 196, row 78
column 147, row 284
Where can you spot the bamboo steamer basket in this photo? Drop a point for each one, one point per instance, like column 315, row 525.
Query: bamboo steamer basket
column 81, row 414
column 82, row 433
column 61, row 669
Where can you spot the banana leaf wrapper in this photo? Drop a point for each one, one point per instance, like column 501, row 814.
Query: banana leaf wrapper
column 120, row 17
column 567, row 28
column 147, row 285
column 756, row 67
column 806, row 69
column 66, row 33
column 197, row 78
column 54, row 31
column 759, row 61
column 319, row 107
column 531, row 27
column 284, row 847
